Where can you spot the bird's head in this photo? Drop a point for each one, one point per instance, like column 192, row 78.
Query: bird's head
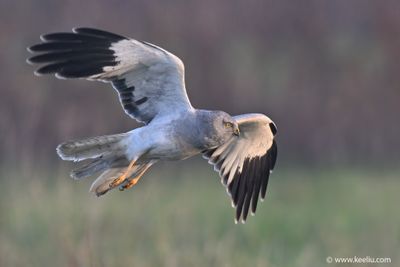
column 225, row 126
column 218, row 127
column 229, row 125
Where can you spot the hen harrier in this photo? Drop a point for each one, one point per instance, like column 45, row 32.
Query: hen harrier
column 151, row 88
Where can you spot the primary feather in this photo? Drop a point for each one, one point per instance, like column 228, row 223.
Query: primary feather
column 148, row 79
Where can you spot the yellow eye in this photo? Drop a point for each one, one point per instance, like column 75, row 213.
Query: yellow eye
column 228, row 125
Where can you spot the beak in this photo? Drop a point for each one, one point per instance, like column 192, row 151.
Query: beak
column 236, row 131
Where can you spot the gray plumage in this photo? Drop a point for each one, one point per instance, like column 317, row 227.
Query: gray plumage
column 150, row 84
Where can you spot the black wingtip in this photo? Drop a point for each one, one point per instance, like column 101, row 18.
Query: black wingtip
column 274, row 154
column 273, row 128
column 28, row 60
column 78, row 54
column 42, row 37
column 29, row 49
column 250, row 184
column 98, row 33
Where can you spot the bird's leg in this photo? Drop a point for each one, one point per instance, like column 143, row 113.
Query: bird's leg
column 131, row 183
column 121, row 179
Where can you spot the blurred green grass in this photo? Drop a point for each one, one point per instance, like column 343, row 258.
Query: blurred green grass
column 183, row 217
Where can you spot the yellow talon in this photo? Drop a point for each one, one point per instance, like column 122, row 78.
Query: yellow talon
column 123, row 177
column 131, row 183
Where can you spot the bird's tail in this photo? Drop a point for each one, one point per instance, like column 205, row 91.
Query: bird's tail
column 91, row 148
column 108, row 157
column 106, row 151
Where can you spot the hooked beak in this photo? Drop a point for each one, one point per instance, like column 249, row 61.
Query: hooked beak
column 236, row 131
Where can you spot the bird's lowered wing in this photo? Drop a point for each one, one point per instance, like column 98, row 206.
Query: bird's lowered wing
column 148, row 79
column 245, row 162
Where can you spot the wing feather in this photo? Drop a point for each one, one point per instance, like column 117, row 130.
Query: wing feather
column 245, row 162
column 148, row 79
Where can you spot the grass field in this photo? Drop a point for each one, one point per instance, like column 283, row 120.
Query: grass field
column 182, row 217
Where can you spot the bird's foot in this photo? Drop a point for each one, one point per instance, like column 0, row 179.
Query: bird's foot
column 118, row 181
column 132, row 182
column 129, row 184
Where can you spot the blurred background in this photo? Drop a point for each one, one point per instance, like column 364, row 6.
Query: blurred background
column 326, row 72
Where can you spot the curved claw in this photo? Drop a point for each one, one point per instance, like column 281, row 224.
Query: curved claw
column 118, row 181
column 130, row 183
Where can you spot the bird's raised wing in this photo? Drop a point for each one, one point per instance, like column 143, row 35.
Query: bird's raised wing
column 245, row 162
column 148, row 79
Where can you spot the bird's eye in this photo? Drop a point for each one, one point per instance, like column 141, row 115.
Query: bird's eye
column 228, row 125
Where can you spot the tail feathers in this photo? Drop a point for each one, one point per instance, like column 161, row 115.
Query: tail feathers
column 102, row 184
column 109, row 159
column 98, row 165
column 91, row 147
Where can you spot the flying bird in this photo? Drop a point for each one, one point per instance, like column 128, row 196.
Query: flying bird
column 151, row 88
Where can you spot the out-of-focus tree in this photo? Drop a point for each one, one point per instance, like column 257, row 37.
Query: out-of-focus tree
column 327, row 72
